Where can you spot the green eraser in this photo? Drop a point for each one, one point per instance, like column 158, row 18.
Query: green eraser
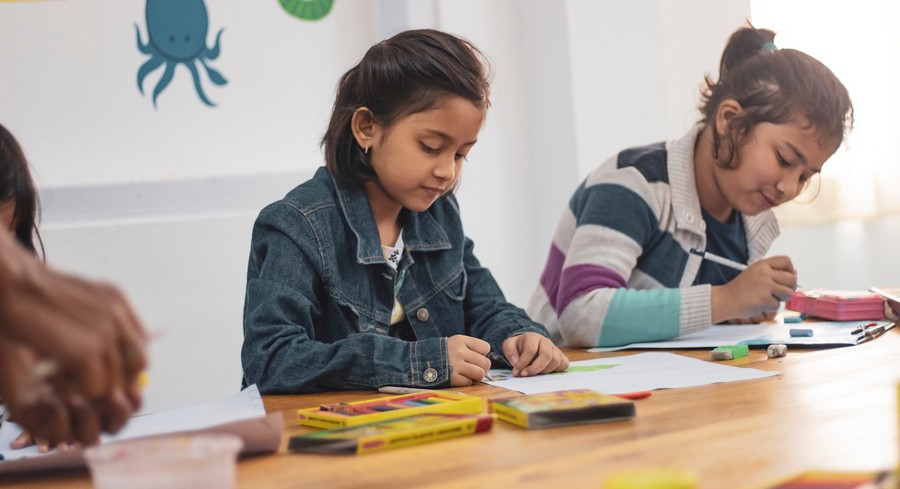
column 737, row 351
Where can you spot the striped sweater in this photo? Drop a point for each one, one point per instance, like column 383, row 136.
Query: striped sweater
column 619, row 270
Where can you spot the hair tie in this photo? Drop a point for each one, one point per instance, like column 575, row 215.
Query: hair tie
column 769, row 46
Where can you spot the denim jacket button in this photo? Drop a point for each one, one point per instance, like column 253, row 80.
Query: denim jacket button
column 422, row 314
column 430, row 374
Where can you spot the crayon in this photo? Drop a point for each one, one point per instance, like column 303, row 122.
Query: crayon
column 337, row 407
column 386, row 407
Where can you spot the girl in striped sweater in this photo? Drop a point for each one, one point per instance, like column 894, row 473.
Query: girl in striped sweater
column 620, row 269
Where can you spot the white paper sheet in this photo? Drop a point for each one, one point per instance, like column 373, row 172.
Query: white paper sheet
column 630, row 373
column 826, row 333
column 242, row 414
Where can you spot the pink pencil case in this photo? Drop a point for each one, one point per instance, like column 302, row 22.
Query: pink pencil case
column 837, row 305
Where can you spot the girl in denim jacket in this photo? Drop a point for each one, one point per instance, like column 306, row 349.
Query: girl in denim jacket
column 362, row 276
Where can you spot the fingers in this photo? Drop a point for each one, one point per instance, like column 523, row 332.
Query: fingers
column 785, row 278
column 891, row 310
column 85, row 420
column 468, row 359
column 131, row 334
column 760, row 289
column 47, row 418
column 781, row 262
column 467, row 374
column 520, row 351
column 115, row 411
column 22, row 441
column 532, row 354
column 761, row 318
column 51, row 409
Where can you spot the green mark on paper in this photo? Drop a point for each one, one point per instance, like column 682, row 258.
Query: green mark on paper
column 500, row 377
column 585, row 368
column 307, row 9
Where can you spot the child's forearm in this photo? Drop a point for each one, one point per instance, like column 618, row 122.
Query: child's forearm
column 723, row 304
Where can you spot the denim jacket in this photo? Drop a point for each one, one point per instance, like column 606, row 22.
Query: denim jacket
column 320, row 293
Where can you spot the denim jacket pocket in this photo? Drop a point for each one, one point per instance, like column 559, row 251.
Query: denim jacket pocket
column 356, row 315
column 456, row 286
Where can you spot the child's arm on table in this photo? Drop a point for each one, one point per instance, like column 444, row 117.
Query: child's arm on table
column 524, row 343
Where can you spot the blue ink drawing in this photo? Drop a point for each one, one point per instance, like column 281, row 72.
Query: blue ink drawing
column 176, row 31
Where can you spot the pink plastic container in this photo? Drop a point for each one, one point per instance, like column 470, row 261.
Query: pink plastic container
column 837, row 305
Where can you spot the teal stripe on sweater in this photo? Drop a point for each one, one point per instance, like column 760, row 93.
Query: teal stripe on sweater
column 637, row 316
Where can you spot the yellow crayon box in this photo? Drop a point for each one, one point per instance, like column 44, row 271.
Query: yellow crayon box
column 342, row 414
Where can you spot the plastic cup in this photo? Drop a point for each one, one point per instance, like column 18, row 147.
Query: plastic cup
column 171, row 462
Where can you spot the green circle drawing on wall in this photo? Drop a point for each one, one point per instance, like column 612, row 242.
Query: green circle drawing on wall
column 307, row 9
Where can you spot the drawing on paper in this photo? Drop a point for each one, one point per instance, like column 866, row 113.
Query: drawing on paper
column 507, row 374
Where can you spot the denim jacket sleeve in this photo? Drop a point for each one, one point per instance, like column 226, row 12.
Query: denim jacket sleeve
column 285, row 350
column 488, row 315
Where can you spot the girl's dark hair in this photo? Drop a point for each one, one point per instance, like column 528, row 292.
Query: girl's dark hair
column 412, row 72
column 17, row 187
column 776, row 86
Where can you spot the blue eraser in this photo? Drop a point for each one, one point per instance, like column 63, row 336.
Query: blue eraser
column 793, row 319
column 801, row 332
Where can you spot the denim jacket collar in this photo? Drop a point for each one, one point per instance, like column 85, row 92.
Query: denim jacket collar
column 421, row 232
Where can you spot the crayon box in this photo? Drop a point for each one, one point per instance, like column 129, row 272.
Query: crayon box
column 343, row 414
column 562, row 408
column 391, row 433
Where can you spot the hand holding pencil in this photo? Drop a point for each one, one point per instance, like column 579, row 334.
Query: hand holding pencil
column 758, row 291
column 85, row 330
column 468, row 359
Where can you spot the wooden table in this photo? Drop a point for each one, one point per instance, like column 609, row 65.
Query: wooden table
column 830, row 409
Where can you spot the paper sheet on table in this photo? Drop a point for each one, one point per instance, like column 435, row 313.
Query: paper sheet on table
column 630, row 373
column 825, row 333
column 242, row 414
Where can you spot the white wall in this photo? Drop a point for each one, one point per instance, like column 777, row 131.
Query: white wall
column 161, row 201
column 850, row 255
column 638, row 68
column 70, row 92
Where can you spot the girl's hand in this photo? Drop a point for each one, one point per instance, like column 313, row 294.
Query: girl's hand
column 757, row 290
column 25, row 440
column 533, row 354
column 47, row 407
column 759, row 318
column 87, row 329
column 468, row 359
column 892, row 310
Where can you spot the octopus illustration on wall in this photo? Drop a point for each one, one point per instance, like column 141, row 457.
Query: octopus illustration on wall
column 176, row 31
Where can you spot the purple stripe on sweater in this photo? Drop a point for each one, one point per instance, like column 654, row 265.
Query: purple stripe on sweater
column 552, row 271
column 578, row 280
